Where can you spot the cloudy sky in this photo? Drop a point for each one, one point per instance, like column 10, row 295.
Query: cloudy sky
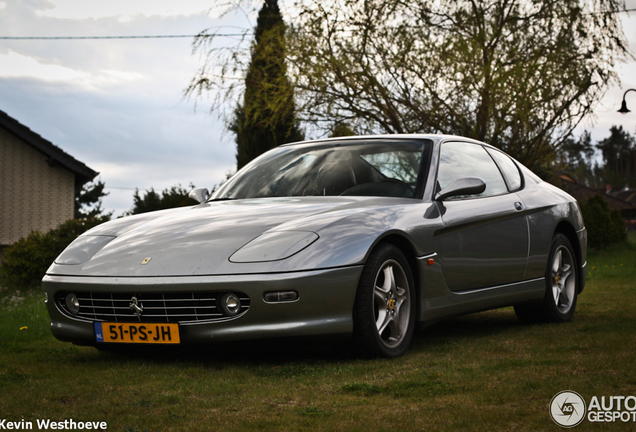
column 117, row 105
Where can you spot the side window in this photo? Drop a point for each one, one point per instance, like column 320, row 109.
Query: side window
column 458, row 159
column 510, row 170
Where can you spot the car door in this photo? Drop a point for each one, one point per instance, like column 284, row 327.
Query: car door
column 484, row 239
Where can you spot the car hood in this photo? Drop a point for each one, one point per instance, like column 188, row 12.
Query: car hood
column 200, row 240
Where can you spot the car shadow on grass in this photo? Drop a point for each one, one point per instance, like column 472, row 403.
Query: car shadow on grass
column 487, row 325
column 257, row 352
column 329, row 349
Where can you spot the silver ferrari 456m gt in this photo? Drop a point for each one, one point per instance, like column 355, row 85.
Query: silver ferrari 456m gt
column 361, row 237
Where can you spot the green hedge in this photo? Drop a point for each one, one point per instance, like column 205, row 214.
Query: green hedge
column 26, row 261
column 604, row 226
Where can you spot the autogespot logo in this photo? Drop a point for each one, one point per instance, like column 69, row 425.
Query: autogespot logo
column 567, row 409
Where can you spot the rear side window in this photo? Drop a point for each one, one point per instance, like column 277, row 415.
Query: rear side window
column 459, row 159
column 509, row 169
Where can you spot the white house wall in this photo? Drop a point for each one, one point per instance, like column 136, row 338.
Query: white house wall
column 33, row 194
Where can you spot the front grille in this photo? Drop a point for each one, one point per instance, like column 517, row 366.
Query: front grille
column 179, row 307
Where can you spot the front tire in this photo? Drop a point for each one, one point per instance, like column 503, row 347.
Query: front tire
column 561, row 278
column 384, row 310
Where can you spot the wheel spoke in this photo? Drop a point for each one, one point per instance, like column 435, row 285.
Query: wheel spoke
column 399, row 301
column 386, row 283
column 394, row 333
column 556, row 264
column 569, row 292
column 565, row 275
column 380, row 298
column 384, row 319
column 565, row 300
column 401, row 293
column 389, row 278
column 556, row 292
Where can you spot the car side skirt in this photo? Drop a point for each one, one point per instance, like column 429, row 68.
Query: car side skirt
column 464, row 302
column 582, row 236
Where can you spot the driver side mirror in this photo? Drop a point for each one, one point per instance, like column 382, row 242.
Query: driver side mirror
column 199, row 194
column 462, row 186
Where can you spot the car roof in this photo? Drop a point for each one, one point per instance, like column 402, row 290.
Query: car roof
column 432, row 137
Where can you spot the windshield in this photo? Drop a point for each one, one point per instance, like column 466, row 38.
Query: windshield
column 350, row 168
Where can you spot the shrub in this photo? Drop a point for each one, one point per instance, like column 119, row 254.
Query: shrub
column 604, row 226
column 26, row 261
column 174, row 197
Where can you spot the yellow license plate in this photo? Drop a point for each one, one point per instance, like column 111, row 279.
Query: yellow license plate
column 137, row 333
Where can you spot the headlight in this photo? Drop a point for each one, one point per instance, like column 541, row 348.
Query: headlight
column 83, row 249
column 274, row 246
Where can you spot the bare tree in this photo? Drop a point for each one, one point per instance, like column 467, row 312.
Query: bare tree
column 520, row 75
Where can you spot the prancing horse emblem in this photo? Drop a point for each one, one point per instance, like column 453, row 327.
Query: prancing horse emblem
column 136, row 306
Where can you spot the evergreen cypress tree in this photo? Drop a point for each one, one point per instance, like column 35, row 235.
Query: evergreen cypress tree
column 267, row 116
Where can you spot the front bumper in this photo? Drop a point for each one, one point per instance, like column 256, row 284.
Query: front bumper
column 324, row 306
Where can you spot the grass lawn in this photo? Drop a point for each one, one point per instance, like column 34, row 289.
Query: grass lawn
column 476, row 373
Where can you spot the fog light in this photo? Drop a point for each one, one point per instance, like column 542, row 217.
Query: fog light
column 231, row 304
column 280, row 296
column 72, row 303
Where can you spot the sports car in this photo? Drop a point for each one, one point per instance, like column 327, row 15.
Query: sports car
column 359, row 237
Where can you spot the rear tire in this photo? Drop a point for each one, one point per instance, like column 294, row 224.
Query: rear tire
column 561, row 292
column 384, row 310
